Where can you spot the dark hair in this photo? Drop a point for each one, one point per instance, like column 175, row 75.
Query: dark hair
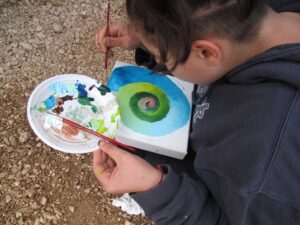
column 172, row 25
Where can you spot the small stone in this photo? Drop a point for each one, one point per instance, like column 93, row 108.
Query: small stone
column 36, row 221
column 43, row 200
column 18, row 214
column 23, row 137
column 6, row 141
column 35, row 20
column 20, row 221
column 2, row 175
column 26, row 46
column 39, row 28
column 7, row 198
column 43, row 166
column 42, row 221
column 15, row 169
column 57, row 28
column 48, row 216
column 72, row 209
column 35, row 205
column 12, row 140
column 127, row 223
column 14, row 62
column 61, row 51
column 83, row 14
column 56, row 12
column 1, row 70
column 87, row 191
column 49, row 5
column 41, row 35
column 28, row 193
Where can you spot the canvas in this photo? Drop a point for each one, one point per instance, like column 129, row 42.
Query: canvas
column 155, row 109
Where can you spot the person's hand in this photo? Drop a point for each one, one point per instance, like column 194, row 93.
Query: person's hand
column 122, row 172
column 119, row 35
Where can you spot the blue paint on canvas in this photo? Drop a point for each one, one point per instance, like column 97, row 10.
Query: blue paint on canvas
column 180, row 109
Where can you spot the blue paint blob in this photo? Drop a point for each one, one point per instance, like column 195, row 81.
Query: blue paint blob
column 81, row 89
column 50, row 102
column 61, row 89
column 180, row 109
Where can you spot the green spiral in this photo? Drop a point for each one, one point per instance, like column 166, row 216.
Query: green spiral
column 144, row 101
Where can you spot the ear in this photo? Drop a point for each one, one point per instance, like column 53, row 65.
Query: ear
column 207, row 51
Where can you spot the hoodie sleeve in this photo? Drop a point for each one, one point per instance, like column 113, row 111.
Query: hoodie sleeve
column 180, row 200
column 285, row 5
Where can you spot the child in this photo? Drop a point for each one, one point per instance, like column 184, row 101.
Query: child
column 245, row 126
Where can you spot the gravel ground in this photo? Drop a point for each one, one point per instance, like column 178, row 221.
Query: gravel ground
column 38, row 185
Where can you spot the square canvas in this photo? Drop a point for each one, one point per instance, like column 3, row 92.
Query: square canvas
column 155, row 109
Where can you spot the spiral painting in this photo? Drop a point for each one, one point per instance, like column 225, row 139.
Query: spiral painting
column 150, row 103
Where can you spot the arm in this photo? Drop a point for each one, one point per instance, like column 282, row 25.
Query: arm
column 176, row 200
column 285, row 5
column 180, row 200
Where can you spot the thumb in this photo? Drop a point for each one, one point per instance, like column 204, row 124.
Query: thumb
column 113, row 151
column 115, row 42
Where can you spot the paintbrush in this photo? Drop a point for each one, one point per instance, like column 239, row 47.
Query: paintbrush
column 85, row 129
column 106, row 32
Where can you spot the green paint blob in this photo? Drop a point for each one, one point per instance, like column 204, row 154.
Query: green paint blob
column 87, row 102
column 94, row 109
column 144, row 101
column 103, row 89
column 42, row 109
column 98, row 126
column 102, row 130
column 114, row 116
column 84, row 101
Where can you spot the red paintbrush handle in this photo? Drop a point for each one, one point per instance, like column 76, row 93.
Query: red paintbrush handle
column 107, row 32
column 83, row 128
column 106, row 59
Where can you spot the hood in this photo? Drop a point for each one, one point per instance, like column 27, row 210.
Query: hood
column 281, row 63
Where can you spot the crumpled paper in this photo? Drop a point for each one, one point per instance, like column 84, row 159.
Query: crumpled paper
column 128, row 205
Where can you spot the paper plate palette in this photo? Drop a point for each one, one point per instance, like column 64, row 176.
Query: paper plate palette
column 80, row 99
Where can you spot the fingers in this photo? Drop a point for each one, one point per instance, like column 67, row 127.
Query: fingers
column 117, row 36
column 116, row 42
column 103, row 39
column 103, row 43
column 102, row 164
column 111, row 163
column 114, row 152
column 98, row 158
column 100, row 37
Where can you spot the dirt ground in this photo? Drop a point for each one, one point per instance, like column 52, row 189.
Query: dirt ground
column 38, row 185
